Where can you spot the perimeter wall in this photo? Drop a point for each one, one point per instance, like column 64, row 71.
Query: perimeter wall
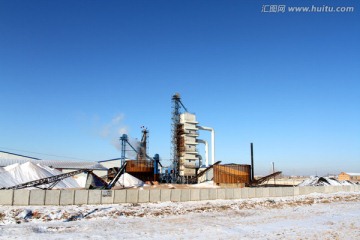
column 39, row 197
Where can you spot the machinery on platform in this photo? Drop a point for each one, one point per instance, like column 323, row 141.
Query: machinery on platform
column 143, row 167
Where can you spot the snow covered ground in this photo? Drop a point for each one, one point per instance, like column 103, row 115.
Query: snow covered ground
column 316, row 216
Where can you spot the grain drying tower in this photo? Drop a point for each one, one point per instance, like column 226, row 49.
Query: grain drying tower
column 187, row 145
column 185, row 132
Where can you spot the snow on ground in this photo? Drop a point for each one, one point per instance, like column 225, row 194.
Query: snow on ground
column 316, row 216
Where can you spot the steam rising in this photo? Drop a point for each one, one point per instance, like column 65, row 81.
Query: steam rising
column 113, row 131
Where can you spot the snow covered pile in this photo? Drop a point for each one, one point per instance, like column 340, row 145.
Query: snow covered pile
column 127, row 180
column 324, row 181
column 21, row 173
column 81, row 179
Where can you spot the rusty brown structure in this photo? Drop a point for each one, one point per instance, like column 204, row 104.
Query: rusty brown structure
column 349, row 177
column 141, row 169
column 180, row 144
column 232, row 174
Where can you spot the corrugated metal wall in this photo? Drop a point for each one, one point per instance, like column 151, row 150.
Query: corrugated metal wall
column 232, row 173
column 141, row 169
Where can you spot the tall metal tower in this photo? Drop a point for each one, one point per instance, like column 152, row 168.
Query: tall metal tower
column 123, row 140
column 142, row 154
column 176, row 111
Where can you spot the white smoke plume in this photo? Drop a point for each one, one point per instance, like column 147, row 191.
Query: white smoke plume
column 114, row 130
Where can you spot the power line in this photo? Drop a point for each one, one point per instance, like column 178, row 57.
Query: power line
column 53, row 155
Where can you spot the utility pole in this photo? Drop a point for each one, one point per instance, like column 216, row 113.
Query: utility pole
column 252, row 163
column 273, row 171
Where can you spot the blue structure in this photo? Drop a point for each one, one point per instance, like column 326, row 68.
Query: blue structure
column 123, row 139
column 156, row 164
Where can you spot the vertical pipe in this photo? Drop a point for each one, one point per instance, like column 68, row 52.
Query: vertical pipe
column 206, row 150
column 156, row 167
column 213, row 146
column 252, row 162
column 212, row 141
column 206, row 153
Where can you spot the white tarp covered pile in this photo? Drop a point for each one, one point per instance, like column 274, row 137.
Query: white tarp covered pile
column 81, row 179
column 21, row 173
column 324, row 181
column 127, row 180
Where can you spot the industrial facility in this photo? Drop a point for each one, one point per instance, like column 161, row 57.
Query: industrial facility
column 187, row 165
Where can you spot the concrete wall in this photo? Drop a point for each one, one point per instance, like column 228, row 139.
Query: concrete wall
column 38, row 197
column 6, row 197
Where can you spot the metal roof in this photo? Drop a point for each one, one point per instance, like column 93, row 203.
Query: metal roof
column 109, row 160
column 55, row 164
column 353, row 174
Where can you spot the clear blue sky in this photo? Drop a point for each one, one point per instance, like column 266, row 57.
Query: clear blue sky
column 76, row 74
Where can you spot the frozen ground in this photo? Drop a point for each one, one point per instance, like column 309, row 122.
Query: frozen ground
column 316, row 216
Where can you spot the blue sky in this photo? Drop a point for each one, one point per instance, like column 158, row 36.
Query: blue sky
column 76, row 74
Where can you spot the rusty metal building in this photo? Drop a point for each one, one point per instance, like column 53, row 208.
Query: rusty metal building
column 232, row 174
column 141, row 169
column 349, row 176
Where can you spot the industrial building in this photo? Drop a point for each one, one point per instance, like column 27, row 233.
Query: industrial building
column 354, row 177
column 111, row 163
column 234, row 174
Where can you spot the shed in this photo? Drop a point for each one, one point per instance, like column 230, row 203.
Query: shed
column 355, row 177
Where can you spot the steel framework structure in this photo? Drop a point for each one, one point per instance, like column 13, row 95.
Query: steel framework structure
column 175, row 121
